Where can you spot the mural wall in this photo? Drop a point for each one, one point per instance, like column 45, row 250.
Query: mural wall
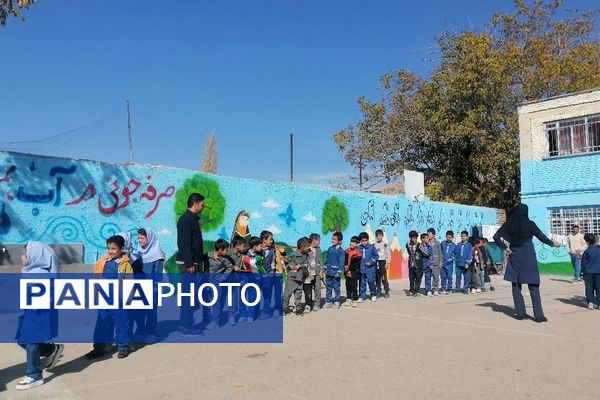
column 60, row 200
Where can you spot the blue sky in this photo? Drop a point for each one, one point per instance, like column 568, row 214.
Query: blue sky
column 252, row 71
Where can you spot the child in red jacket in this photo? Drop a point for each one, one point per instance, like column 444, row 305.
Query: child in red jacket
column 352, row 271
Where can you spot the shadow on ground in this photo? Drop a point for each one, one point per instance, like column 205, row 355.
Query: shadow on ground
column 579, row 301
column 499, row 308
column 561, row 280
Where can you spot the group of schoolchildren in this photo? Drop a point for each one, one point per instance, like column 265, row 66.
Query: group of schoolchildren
column 428, row 260
column 122, row 259
column 363, row 266
column 39, row 258
column 445, row 267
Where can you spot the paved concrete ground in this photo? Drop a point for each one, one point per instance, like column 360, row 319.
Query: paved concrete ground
column 457, row 346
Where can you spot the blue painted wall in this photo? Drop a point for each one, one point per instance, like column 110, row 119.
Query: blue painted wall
column 59, row 200
column 560, row 175
column 558, row 182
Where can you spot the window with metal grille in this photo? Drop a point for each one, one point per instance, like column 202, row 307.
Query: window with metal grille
column 587, row 218
column 573, row 136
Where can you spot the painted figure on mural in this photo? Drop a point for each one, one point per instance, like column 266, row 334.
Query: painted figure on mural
column 241, row 226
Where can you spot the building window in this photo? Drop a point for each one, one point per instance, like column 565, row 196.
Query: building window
column 573, row 136
column 587, row 218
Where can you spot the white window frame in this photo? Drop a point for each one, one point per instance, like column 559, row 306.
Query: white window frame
column 557, row 128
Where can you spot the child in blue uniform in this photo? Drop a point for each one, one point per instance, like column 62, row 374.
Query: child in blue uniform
column 368, row 268
column 448, row 248
column 38, row 327
column 268, row 280
column 152, row 259
column 111, row 266
column 463, row 255
column 590, row 267
column 336, row 259
column 425, row 261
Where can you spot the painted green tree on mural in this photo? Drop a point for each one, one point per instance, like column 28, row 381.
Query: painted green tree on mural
column 335, row 215
column 214, row 204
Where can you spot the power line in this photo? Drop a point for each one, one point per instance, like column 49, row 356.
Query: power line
column 61, row 137
column 169, row 121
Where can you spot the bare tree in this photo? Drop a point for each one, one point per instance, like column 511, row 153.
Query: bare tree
column 209, row 164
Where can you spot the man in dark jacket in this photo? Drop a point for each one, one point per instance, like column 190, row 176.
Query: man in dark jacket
column 190, row 256
column 190, row 248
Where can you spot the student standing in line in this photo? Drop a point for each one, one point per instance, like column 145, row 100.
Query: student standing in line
column 368, row 265
column 352, row 271
column 296, row 274
column 463, row 255
column 114, row 265
column 334, row 270
column 448, row 248
column 382, row 264
column 415, row 272
column 152, row 260
column 590, row 266
column 435, row 260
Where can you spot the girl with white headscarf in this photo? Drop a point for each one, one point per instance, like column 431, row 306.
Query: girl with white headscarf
column 150, row 256
column 128, row 248
column 38, row 327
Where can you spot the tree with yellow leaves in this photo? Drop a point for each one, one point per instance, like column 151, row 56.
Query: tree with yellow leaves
column 8, row 7
column 459, row 125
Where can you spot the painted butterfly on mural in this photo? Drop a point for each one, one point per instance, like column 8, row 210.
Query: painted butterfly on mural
column 223, row 235
column 288, row 215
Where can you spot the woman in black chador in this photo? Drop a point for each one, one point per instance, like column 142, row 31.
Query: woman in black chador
column 518, row 231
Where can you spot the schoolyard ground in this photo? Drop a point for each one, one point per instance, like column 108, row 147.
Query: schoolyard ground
column 456, row 346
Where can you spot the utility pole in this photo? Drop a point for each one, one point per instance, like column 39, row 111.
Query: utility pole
column 360, row 171
column 129, row 133
column 291, row 157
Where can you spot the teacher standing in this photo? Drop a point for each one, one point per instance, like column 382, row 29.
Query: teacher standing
column 190, row 257
column 518, row 231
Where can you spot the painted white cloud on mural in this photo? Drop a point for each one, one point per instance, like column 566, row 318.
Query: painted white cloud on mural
column 275, row 230
column 270, row 203
column 165, row 232
column 256, row 215
column 309, row 217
